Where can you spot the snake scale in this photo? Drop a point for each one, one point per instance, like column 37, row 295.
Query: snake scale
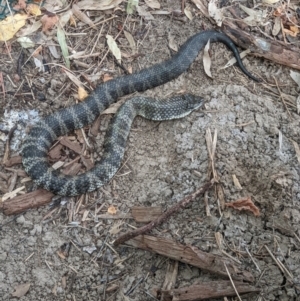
column 42, row 135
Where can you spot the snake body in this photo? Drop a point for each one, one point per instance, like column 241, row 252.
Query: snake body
column 42, row 135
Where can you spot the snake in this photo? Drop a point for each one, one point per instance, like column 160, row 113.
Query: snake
column 44, row 133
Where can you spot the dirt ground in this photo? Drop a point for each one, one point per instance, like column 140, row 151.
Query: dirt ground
column 164, row 162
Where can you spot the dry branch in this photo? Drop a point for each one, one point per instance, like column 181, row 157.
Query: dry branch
column 191, row 255
column 268, row 49
column 272, row 50
column 174, row 209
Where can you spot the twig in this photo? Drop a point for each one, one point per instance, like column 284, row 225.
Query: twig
column 174, row 209
column 282, row 98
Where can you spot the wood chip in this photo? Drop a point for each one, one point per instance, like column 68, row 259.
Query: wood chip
column 54, row 153
column 73, row 145
column 30, row 200
column 145, row 214
column 13, row 161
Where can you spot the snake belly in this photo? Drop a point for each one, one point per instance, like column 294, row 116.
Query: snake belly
column 42, row 135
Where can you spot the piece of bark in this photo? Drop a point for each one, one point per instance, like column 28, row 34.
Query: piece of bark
column 73, row 145
column 72, row 169
column 170, row 279
column 191, row 255
column 13, row 161
column 23, row 202
column 96, row 126
column 3, row 186
column 20, row 172
column 207, row 290
column 275, row 51
column 145, row 214
column 54, row 152
column 87, row 162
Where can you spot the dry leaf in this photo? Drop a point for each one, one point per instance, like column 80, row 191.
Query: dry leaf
column 30, row 29
column 10, row 25
column 244, row 204
column 61, row 38
column 131, row 6
column 206, row 59
column 198, row 3
column 289, row 32
column 73, row 78
column 113, row 108
column 98, row 4
column 107, row 77
column 232, row 61
column 144, row 13
column 279, row 11
column 297, row 150
column 112, row 210
column 270, row 1
column 73, row 21
column 172, row 44
column 154, row 4
column 39, row 64
column 20, row 5
column 26, row 42
column 131, row 41
column 82, row 94
column 21, row 290
column 113, row 47
column 236, row 182
column 33, row 9
column 214, row 12
column 277, row 26
column 255, row 16
column 48, row 22
column 295, row 76
column 294, row 29
column 66, row 17
column 298, row 104
column 37, row 51
column 188, row 13
column 82, row 16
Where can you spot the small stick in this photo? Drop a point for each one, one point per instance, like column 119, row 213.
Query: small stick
column 174, row 209
column 282, row 98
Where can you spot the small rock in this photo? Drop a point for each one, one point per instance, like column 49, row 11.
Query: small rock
column 3, row 257
column 20, row 220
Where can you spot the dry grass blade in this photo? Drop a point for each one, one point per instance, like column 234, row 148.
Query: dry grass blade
column 282, row 98
column 297, row 150
column 211, row 147
column 237, row 293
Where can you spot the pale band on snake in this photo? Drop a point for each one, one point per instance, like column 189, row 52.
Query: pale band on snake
column 43, row 134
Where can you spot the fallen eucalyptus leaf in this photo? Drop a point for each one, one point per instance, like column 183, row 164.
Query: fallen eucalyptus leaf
column 63, row 45
column 113, row 47
column 215, row 12
column 207, row 60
